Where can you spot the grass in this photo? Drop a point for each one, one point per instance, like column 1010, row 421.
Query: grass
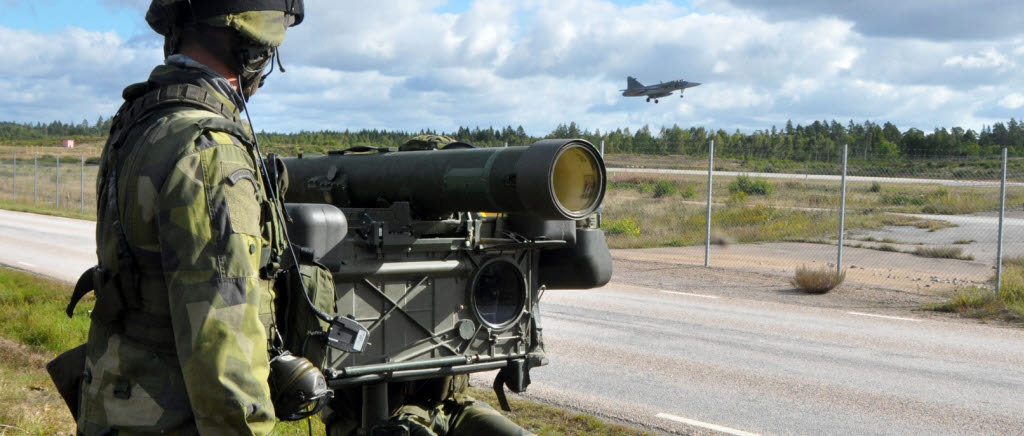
column 1006, row 305
column 643, row 222
column 90, row 214
column 942, row 253
column 546, row 420
column 751, row 186
column 34, row 328
column 817, row 280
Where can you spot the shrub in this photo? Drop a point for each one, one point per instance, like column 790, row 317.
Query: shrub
column 736, row 199
column 623, row 226
column 875, row 187
column 943, row 253
column 664, row 188
column 751, row 186
column 689, row 192
column 817, row 281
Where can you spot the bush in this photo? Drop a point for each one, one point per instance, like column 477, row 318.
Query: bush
column 943, row 253
column 817, row 281
column 664, row 188
column 623, row 226
column 875, row 187
column 689, row 192
column 751, row 186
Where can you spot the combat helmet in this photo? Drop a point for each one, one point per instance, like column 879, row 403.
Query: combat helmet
column 259, row 25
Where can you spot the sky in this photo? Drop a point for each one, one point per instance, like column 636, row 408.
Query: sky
column 434, row 64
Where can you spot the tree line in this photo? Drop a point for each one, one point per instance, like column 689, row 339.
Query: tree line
column 818, row 141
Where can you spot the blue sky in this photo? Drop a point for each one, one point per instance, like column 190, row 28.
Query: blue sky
column 414, row 64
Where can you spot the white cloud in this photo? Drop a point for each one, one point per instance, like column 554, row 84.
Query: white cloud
column 1012, row 101
column 987, row 59
column 68, row 75
column 400, row 64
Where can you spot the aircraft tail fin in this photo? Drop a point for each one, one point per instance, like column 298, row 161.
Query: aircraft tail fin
column 631, row 83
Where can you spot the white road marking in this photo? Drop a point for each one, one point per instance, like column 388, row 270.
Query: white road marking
column 884, row 316
column 26, row 264
column 713, row 297
column 700, row 424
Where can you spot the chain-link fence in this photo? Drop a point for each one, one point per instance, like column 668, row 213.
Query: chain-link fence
column 928, row 224
column 910, row 224
column 60, row 182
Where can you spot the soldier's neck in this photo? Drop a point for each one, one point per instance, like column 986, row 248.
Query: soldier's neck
column 203, row 56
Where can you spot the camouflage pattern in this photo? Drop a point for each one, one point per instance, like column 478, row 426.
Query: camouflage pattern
column 189, row 355
column 433, row 407
column 261, row 27
column 425, row 142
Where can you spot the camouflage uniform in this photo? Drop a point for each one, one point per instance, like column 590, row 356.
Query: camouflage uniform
column 431, row 407
column 179, row 338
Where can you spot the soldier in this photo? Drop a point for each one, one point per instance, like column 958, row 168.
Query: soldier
column 188, row 242
column 186, row 235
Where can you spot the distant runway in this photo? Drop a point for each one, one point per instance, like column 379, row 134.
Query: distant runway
column 818, row 177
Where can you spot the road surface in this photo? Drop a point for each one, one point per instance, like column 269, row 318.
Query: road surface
column 693, row 355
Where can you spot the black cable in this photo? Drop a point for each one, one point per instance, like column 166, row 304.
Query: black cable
column 272, row 190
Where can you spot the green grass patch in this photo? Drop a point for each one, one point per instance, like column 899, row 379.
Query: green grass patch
column 622, row 226
column 886, row 247
column 751, row 186
column 942, row 253
column 49, row 210
column 1006, row 305
column 32, row 312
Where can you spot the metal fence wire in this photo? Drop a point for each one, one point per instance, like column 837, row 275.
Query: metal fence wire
column 928, row 225
column 922, row 224
column 58, row 182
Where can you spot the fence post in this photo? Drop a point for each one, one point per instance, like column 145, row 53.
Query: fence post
column 82, row 198
column 35, row 178
column 707, row 233
column 14, row 177
column 1002, row 213
column 602, row 148
column 56, row 188
column 842, row 214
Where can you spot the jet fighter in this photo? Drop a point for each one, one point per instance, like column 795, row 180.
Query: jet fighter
column 636, row 89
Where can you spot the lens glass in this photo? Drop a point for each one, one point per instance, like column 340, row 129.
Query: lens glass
column 577, row 180
column 499, row 294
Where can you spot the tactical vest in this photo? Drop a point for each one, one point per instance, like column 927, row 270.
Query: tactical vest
column 117, row 283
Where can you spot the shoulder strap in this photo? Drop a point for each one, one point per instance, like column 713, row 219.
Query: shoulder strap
column 176, row 95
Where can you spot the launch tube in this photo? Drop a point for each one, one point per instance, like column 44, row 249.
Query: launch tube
column 550, row 179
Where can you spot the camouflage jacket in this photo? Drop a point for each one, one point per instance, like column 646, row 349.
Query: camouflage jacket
column 183, row 227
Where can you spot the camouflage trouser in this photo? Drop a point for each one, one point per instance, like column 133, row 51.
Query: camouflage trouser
column 458, row 415
column 457, row 418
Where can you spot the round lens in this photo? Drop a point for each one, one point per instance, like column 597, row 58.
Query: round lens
column 577, row 180
column 499, row 293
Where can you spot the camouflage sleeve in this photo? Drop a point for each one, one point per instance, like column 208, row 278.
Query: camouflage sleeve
column 209, row 223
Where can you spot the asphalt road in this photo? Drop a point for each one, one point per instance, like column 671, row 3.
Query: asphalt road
column 755, row 367
column 684, row 358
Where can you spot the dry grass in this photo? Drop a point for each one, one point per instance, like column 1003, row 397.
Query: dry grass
column 942, row 253
column 817, row 281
